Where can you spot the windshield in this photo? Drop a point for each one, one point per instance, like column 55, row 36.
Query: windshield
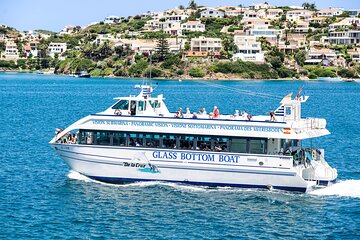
column 122, row 105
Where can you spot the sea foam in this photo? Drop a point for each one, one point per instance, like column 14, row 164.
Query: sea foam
column 345, row 188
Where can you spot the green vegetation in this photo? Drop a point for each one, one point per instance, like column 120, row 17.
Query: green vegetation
column 246, row 69
column 197, row 72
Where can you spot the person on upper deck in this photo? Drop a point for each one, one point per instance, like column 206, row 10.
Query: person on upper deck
column 272, row 117
column 216, row 113
column 181, row 114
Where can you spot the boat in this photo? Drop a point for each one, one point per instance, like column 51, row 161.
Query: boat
column 138, row 139
column 83, row 74
column 329, row 79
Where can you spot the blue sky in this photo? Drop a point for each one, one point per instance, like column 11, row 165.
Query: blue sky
column 53, row 15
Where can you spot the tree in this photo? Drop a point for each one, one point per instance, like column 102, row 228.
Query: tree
column 2, row 46
column 105, row 50
column 300, row 57
column 181, row 7
column 192, row 5
column 306, row 5
column 162, row 47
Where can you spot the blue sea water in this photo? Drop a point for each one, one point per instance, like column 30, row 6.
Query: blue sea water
column 41, row 199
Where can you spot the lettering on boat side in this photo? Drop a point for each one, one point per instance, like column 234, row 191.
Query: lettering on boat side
column 199, row 157
column 226, row 127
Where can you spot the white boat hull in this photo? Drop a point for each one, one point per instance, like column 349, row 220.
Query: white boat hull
column 125, row 164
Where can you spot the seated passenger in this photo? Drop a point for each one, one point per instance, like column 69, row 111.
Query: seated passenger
column 181, row 114
column 188, row 111
column 249, row 117
column 236, row 114
column 194, row 115
column 244, row 115
column 204, row 111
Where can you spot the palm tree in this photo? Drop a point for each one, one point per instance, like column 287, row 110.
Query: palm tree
column 306, row 5
column 192, row 5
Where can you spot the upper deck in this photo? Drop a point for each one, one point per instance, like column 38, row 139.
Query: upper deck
column 144, row 113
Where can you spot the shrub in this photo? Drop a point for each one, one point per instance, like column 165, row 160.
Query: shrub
column 155, row 72
column 312, row 75
column 346, row 73
column 107, row 72
column 197, row 72
column 170, row 60
column 138, row 68
column 180, row 72
column 284, row 72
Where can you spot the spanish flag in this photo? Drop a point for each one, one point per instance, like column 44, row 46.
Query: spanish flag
column 287, row 130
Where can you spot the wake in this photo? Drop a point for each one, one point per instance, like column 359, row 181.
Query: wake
column 345, row 188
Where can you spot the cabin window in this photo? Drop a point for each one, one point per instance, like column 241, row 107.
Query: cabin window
column 168, row 141
column 203, row 143
column 136, row 140
column 173, row 141
column 141, row 106
column 122, row 105
column 103, row 138
column 155, row 104
column 239, row 145
column 186, row 142
column 119, row 139
column 257, row 146
column 152, row 140
column 287, row 111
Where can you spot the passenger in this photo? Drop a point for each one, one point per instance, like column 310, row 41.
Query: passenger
column 181, row 114
column 177, row 115
column 194, row 116
column 187, row 111
column 236, row 114
column 204, row 111
column 249, row 117
column 216, row 113
column 244, row 115
column 133, row 108
column 272, row 117
column 218, row 148
column 200, row 112
column 57, row 131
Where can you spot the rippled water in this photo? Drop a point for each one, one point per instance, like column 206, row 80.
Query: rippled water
column 41, row 199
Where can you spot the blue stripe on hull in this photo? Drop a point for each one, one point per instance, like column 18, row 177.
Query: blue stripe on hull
column 129, row 180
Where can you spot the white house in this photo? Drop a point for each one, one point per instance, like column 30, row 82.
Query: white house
column 112, row 19
column 69, row 29
column 345, row 23
column 248, row 49
column 193, row 26
column 330, row 12
column 270, row 13
column 212, row 12
column 258, row 6
column 11, row 51
column 203, row 44
column 343, row 37
column 324, row 56
column 269, row 34
column 57, row 48
column 295, row 15
column 354, row 54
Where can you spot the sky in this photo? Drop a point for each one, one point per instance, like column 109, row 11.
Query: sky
column 54, row 15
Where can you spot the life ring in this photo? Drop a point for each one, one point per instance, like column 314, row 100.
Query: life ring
column 117, row 112
column 313, row 154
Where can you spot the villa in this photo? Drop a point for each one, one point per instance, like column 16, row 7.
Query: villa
column 354, row 54
column 212, row 12
column 269, row 33
column 112, row 19
column 11, row 51
column 248, row 49
column 193, row 26
column 343, row 37
column 57, row 48
column 204, row 44
column 330, row 12
column 296, row 15
column 324, row 56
